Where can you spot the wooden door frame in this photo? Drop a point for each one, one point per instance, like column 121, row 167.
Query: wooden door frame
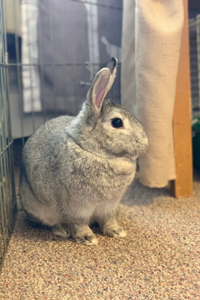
column 183, row 184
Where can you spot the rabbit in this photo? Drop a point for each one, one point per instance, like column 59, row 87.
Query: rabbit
column 75, row 170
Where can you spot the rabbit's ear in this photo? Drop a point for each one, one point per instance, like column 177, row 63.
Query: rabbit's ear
column 101, row 85
column 112, row 66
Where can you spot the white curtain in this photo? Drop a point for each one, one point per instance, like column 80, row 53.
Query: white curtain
column 151, row 38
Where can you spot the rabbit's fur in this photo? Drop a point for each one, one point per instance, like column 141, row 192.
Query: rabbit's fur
column 75, row 170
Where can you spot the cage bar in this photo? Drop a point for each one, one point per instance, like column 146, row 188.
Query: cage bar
column 7, row 184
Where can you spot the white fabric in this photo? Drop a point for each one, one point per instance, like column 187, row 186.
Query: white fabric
column 150, row 55
column 30, row 74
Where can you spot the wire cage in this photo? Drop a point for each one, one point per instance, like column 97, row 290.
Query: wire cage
column 50, row 52
column 55, row 49
column 7, row 184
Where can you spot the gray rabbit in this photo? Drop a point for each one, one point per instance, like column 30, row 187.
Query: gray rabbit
column 75, row 170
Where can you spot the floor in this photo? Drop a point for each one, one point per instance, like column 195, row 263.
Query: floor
column 159, row 258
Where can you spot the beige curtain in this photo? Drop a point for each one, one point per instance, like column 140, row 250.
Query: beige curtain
column 151, row 39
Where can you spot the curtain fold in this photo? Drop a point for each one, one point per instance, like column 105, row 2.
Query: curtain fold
column 151, row 38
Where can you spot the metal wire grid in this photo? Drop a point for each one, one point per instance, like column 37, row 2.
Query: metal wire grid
column 194, row 28
column 104, row 4
column 7, row 185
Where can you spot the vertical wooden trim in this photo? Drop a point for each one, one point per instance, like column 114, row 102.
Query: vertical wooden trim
column 183, row 185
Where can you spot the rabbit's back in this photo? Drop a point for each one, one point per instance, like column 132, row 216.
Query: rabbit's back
column 35, row 144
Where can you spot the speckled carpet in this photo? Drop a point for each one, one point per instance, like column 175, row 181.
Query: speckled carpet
column 159, row 258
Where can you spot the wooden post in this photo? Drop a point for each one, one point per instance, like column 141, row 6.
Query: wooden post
column 183, row 185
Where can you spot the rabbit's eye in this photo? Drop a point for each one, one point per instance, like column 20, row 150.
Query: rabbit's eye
column 117, row 123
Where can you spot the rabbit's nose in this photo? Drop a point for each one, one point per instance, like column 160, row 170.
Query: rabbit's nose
column 141, row 136
column 144, row 139
column 141, row 140
column 137, row 140
column 145, row 142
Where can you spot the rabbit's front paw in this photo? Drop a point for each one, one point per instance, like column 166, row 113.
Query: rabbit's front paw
column 83, row 234
column 60, row 230
column 87, row 239
column 114, row 231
